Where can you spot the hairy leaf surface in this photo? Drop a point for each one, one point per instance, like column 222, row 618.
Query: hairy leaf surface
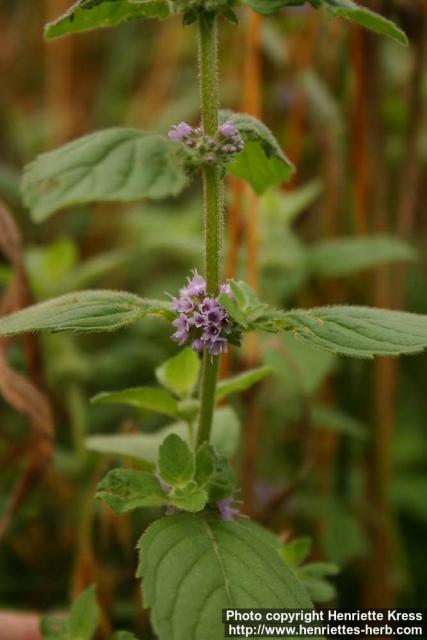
column 83, row 312
column 262, row 163
column 149, row 398
column 241, row 382
column 127, row 489
column 176, row 461
column 85, row 15
column 359, row 331
column 111, row 165
column 339, row 8
column 180, row 373
column 192, row 565
column 84, row 616
column 267, row 7
column 365, row 18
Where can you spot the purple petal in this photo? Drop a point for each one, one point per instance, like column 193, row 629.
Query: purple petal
column 227, row 512
column 216, row 347
column 197, row 345
column 209, row 304
column 228, row 130
column 196, row 286
column 180, row 131
column 225, row 288
column 199, row 320
column 180, row 337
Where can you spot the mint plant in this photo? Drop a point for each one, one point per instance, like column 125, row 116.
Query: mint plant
column 202, row 555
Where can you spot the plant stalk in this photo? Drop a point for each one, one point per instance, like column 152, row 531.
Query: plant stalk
column 213, row 206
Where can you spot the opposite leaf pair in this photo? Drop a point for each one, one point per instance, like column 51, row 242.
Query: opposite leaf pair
column 123, row 165
column 86, row 14
column 184, row 481
column 353, row 331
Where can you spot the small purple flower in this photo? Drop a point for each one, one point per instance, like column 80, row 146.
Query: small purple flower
column 216, row 316
column 225, row 288
column 226, row 511
column 202, row 320
column 182, row 334
column 211, row 333
column 196, row 286
column 180, row 131
column 199, row 319
column 217, row 346
column 182, row 305
column 197, row 345
column 228, row 130
column 208, row 304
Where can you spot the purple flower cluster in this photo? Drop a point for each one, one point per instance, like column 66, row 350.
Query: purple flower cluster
column 202, row 320
column 207, row 149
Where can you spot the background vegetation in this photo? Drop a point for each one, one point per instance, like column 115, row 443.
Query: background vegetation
column 329, row 448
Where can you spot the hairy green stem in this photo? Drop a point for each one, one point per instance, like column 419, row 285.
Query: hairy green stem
column 213, row 206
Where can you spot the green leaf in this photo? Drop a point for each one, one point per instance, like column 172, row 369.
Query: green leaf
column 83, row 312
column 85, row 15
column 111, row 165
column 248, row 311
column 223, row 483
column 241, row 382
column 190, row 498
column 226, row 430
column 285, row 207
column 319, row 590
column 148, row 398
column 127, row 489
column 365, row 18
column 339, row 8
column 262, row 163
column 145, row 447
column 296, row 551
column 319, row 569
column 176, row 461
column 359, row 331
column 123, row 635
column 205, row 464
column 180, row 373
column 84, row 616
column 267, row 7
column 345, row 256
column 52, row 628
column 189, row 564
column 313, row 576
column 229, row 15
